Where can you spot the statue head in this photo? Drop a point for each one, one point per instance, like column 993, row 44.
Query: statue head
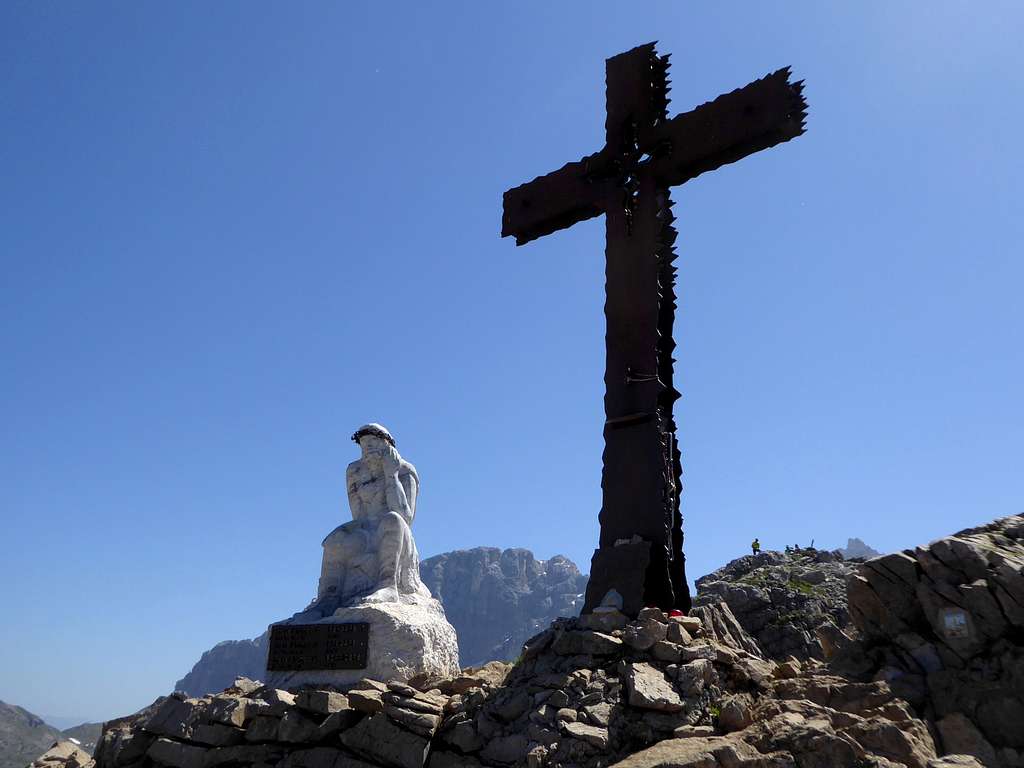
column 369, row 434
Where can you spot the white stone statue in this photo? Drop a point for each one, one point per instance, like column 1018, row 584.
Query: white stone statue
column 373, row 558
column 370, row 575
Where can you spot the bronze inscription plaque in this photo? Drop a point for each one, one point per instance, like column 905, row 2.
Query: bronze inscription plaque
column 318, row 646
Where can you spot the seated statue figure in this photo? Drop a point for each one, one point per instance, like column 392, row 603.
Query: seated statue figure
column 373, row 558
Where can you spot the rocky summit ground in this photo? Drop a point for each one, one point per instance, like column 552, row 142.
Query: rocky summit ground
column 791, row 602
column 590, row 692
column 929, row 674
column 944, row 623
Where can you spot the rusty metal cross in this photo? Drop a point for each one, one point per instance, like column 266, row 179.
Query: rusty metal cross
column 640, row 553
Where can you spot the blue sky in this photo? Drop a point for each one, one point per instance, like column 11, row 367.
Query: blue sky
column 230, row 233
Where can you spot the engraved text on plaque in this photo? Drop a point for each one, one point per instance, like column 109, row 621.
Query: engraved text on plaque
column 318, row 646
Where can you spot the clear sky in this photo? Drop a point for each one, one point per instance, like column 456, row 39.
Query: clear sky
column 232, row 232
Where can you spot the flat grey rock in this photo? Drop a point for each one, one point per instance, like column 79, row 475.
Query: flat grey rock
column 381, row 741
column 648, row 688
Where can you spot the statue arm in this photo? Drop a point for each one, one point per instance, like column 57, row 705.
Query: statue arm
column 398, row 500
column 411, row 484
column 354, row 502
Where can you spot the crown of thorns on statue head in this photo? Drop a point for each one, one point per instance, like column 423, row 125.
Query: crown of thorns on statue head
column 377, row 431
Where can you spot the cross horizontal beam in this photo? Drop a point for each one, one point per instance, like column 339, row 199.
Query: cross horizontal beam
column 760, row 115
column 553, row 202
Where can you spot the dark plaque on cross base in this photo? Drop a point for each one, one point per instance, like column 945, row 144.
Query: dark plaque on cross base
column 639, row 560
column 300, row 647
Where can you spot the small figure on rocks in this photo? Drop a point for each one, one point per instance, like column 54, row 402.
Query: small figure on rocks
column 755, row 546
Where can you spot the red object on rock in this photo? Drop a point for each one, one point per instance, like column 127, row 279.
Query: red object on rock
column 675, row 612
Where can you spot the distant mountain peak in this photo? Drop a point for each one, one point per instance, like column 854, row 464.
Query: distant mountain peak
column 857, row 548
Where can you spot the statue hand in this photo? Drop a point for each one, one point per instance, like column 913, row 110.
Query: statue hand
column 392, row 461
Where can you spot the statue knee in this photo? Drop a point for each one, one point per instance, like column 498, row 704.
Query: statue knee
column 391, row 530
column 392, row 521
column 344, row 545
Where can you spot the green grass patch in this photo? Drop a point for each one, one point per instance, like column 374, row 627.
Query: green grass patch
column 803, row 587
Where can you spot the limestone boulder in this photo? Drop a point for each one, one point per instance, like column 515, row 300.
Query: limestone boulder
column 506, row 750
column 217, row 735
column 645, row 632
column 488, row 676
column 704, row 752
column 648, row 688
column 719, row 624
column 735, row 713
column 576, row 642
column 382, row 741
column 961, row 736
column 174, row 754
column 593, row 735
column 233, row 711
column 943, row 624
column 322, row 702
column 175, row 717
column 957, row 761
column 63, row 754
column 321, row 757
column 243, row 754
column 418, row 712
column 818, row 735
column 368, row 701
column 296, row 727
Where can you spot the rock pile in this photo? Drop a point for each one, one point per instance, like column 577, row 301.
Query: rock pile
column 790, row 602
column 944, row 624
column 687, row 692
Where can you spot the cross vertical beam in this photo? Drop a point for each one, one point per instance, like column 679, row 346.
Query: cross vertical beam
column 640, row 481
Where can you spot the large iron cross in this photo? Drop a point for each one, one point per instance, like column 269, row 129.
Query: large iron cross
column 640, row 554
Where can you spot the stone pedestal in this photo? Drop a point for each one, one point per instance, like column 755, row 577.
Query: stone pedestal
column 405, row 639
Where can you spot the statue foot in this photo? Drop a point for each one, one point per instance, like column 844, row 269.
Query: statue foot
column 382, row 595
